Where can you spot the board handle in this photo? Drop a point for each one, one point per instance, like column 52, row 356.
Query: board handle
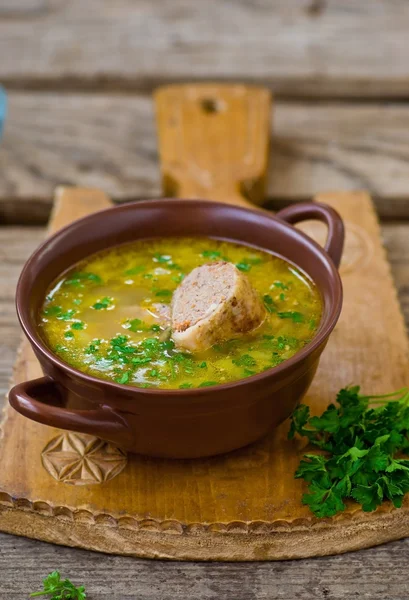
column 214, row 141
column 321, row 212
column 40, row 399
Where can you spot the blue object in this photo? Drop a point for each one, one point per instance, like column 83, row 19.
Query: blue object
column 3, row 108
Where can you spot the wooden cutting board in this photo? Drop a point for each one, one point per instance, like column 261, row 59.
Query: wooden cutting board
column 75, row 490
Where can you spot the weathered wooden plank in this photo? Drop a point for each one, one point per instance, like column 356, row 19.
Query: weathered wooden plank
column 375, row 574
column 109, row 141
column 16, row 244
column 334, row 47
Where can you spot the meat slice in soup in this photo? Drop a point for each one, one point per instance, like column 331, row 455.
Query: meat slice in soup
column 214, row 303
column 109, row 316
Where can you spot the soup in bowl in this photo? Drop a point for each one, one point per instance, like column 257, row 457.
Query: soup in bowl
column 110, row 315
column 97, row 301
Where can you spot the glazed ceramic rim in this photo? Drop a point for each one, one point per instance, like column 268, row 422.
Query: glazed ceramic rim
column 325, row 328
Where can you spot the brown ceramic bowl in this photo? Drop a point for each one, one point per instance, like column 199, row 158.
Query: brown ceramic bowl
column 176, row 423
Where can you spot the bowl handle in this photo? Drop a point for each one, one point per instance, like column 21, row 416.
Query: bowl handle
column 307, row 210
column 39, row 400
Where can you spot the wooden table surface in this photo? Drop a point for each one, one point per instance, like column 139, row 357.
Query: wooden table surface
column 79, row 77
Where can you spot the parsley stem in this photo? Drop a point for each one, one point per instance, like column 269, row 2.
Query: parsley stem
column 402, row 392
column 401, row 395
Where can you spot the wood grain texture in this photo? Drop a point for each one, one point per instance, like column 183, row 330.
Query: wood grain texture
column 214, row 141
column 376, row 574
column 16, row 244
column 241, row 506
column 109, row 141
column 296, row 47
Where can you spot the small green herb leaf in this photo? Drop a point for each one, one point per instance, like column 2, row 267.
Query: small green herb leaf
column 53, row 311
column 243, row 266
column 178, row 278
column 67, row 315
column 103, row 303
column 124, row 378
column 163, row 293
column 295, row 316
column 78, row 325
column 162, row 258
column 78, row 279
column 135, row 270
column 212, row 254
column 141, row 360
column 269, row 303
column 244, row 361
column 281, row 285
column 135, row 325
column 246, row 263
column 59, row 589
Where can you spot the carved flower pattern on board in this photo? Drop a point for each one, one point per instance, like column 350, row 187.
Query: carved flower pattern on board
column 80, row 459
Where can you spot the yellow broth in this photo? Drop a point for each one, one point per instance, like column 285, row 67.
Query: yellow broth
column 105, row 316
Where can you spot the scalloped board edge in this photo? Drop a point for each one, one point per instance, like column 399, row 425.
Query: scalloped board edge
column 255, row 541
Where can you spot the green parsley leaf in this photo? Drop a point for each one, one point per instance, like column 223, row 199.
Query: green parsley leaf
column 53, row 311
column 162, row 258
column 135, row 325
column 178, row 278
column 269, row 303
column 60, row 348
column 93, row 347
column 246, row 263
column 322, row 501
column 296, row 317
column 102, row 304
column 208, row 383
column 78, row 279
column 60, row 589
column 67, row 315
column 124, row 378
column 244, row 361
column 185, row 386
column 243, row 266
column 163, row 293
column 78, row 325
column 212, row 254
column 135, row 270
column 279, row 284
column 370, row 496
column 141, row 360
column 312, row 324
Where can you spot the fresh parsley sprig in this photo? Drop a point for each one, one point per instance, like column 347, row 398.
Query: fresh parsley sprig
column 59, row 589
column 362, row 446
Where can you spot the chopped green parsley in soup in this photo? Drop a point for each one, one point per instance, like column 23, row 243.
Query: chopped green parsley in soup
column 111, row 315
